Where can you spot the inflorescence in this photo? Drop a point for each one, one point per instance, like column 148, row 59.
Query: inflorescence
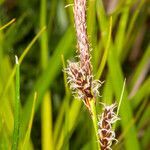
column 106, row 132
column 79, row 74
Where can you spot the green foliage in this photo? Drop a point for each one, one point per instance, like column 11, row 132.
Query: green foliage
column 42, row 35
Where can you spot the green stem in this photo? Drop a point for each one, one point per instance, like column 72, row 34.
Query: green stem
column 7, row 24
column 94, row 120
column 46, row 109
column 44, row 36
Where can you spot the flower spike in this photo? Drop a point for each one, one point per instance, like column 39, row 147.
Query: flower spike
column 106, row 132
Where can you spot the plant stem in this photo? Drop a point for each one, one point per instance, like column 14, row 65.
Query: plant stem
column 7, row 24
column 94, row 120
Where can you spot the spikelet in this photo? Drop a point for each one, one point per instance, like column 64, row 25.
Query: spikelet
column 82, row 85
column 106, row 132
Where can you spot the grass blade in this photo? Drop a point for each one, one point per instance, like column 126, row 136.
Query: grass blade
column 143, row 92
column 7, row 24
column 28, row 132
column 104, row 58
column 44, row 37
column 16, row 109
column 46, row 116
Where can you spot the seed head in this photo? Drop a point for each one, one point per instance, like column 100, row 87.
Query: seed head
column 106, row 132
column 79, row 74
column 82, row 85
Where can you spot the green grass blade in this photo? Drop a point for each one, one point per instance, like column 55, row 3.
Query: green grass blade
column 107, row 96
column 91, row 22
column 51, row 17
column 46, row 119
column 143, row 92
column 46, row 109
column 44, row 37
column 66, row 105
column 28, row 132
column 65, row 76
column 121, row 96
column 74, row 113
column 7, row 24
column 146, row 138
column 70, row 4
column 104, row 58
column 133, row 19
column 16, row 109
column 119, row 40
column 59, row 120
column 144, row 120
column 139, row 69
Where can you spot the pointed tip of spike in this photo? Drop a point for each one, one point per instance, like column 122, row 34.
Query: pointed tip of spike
column 16, row 58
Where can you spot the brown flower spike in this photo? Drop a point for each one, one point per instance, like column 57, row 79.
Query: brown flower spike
column 79, row 74
column 105, row 132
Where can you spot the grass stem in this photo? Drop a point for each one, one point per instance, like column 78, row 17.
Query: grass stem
column 95, row 121
column 7, row 24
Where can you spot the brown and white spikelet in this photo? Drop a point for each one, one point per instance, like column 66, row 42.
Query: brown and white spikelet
column 106, row 132
column 79, row 74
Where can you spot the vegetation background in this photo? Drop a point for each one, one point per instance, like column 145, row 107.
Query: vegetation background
column 42, row 35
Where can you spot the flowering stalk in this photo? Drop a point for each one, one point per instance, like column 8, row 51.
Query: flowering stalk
column 94, row 119
column 79, row 74
column 106, row 132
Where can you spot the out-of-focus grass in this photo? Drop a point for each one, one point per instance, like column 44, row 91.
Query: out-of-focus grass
column 120, row 49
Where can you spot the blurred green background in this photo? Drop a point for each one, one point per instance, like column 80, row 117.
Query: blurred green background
column 43, row 37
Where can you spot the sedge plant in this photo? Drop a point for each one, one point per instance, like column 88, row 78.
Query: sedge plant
column 112, row 44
